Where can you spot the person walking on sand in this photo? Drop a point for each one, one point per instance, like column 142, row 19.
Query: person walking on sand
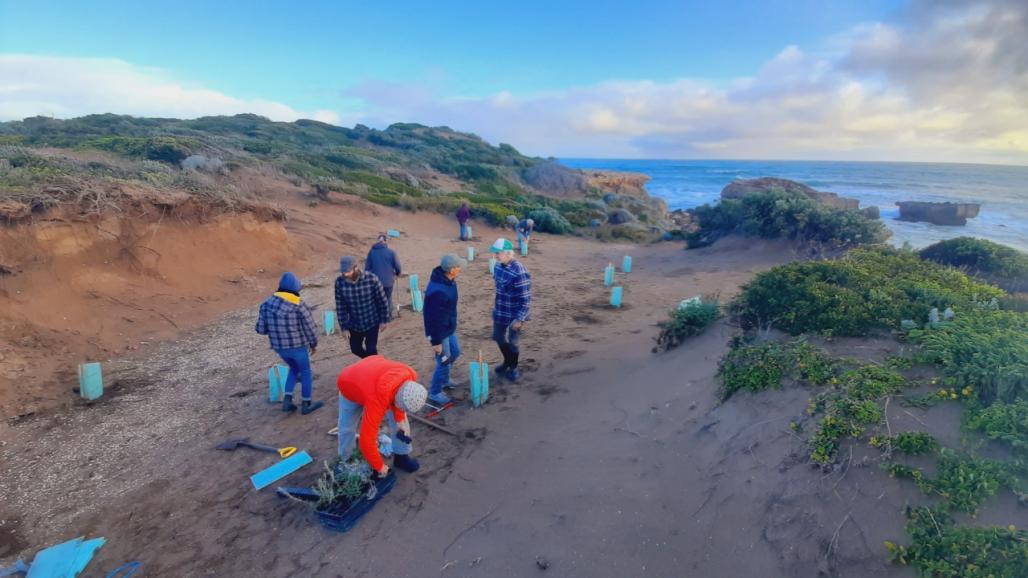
column 382, row 261
column 288, row 323
column 361, row 307
column 511, row 311
column 524, row 230
column 441, row 323
column 463, row 214
column 370, row 390
column 512, row 222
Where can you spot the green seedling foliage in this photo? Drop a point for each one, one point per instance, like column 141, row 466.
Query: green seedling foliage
column 910, row 443
column 1005, row 422
column 756, row 367
column 942, row 549
column 685, row 322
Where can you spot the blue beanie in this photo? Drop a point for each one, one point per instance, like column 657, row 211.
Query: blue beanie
column 289, row 283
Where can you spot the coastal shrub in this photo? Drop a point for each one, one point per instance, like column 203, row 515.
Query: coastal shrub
column 166, row 149
column 941, row 548
column 986, row 350
column 685, row 321
column 1002, row 264
column 1005, row 422
column 756, row 367
column 869, row 288
column 911, row 443
column 785, row 214
column 548, row 220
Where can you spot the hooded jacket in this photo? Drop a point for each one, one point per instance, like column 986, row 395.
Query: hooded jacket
column 383, row 263
column 440, row 307
column 372, row 383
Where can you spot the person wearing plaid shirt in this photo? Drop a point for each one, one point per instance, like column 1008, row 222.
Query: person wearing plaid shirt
column 288, row 323
column 513, row 300
column 361, row 307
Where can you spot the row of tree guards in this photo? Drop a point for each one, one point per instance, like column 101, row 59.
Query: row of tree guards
column 91, row 384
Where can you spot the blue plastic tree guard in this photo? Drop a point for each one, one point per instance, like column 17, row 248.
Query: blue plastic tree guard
column 492, row 265
column 471, row 235
column 626, row 264
column 413, row 282
column 471, row 254
column 277, row 382
column 91, row 381
column 330, row 322
column 608, row 275
column 479, row 374
column 417, row 300
column 393, row 233
column 615, row 296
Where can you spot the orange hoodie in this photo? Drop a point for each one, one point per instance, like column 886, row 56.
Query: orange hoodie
column 372, row 383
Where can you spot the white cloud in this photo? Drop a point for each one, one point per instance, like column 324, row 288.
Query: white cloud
column 69, row 87
column 945, row 82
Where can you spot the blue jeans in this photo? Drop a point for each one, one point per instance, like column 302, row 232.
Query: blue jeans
column 463, row 231
column 522, row 241
column 349, row 420
column 441, row 376
column 299, row 362
column 506, row 338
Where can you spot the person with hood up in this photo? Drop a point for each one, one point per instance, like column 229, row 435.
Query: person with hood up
column 288, row 323
column 463, row 214
column 382, row 261
column 362, row 309
column 441, row 323
column 373, row 389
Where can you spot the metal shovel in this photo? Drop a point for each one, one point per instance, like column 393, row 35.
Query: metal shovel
column 245, row 442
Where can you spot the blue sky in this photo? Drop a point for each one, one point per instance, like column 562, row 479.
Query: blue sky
column 602, row 78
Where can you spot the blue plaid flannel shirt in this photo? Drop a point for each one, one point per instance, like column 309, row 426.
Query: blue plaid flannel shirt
column 287, row 326
column 361, row 306
column 513, row 292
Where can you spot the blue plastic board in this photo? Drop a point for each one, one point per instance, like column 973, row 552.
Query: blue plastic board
column 277, row 382
column 91, row 381
column 615, row 296
column 393, row 233
column 65, row 560
column 608, row 275
column 268, row 476
column 626, row 264
column 330, row 322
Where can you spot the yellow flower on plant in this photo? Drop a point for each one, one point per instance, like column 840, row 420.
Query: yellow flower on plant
column 1012, row 528
column 953, row 396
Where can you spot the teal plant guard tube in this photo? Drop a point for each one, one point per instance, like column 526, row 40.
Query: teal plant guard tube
column 330, row 322
column 475, row 374
column 470, row 234
column 91, row 381
column 484, row 384
column 417, row 300
column 615, row 296
column 393, row 233
column 524, row 249
column 608, row 275
column 626, row 264
column 471, row 254
column 492, row 265
column 277, row 382
column 413, row 283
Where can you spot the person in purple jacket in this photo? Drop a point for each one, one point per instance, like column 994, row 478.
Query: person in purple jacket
column 463, row 214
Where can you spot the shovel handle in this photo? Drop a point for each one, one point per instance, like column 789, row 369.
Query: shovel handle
column 286, row 451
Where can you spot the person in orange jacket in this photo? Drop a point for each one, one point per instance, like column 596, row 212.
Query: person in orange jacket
column 370, row 390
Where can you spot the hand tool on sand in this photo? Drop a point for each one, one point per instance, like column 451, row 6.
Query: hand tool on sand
column 245, row 443
column 268, row 476
column 437, row 409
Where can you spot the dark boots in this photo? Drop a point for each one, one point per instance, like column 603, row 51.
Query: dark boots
column 307, row 406
column 406, row 463
column 287, row 403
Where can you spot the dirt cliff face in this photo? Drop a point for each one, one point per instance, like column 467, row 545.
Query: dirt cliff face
column 628, row 184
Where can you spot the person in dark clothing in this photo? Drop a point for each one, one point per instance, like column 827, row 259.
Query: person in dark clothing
column 362, row 309
column 441, row 323
column 463, row 214
column 382, row 261
column 288, row 323
column 513, row 304
column 524, row 230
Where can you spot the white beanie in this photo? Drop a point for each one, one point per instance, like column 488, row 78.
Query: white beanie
column 411, row 396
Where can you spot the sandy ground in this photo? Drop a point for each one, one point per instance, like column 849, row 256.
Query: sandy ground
column 605, row 460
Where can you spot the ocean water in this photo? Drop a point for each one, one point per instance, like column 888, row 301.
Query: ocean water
column 1002, row 191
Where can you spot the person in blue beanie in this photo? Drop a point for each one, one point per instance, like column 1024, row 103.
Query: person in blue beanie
column 441, row 323
column 289, row 325
column 383, row 262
